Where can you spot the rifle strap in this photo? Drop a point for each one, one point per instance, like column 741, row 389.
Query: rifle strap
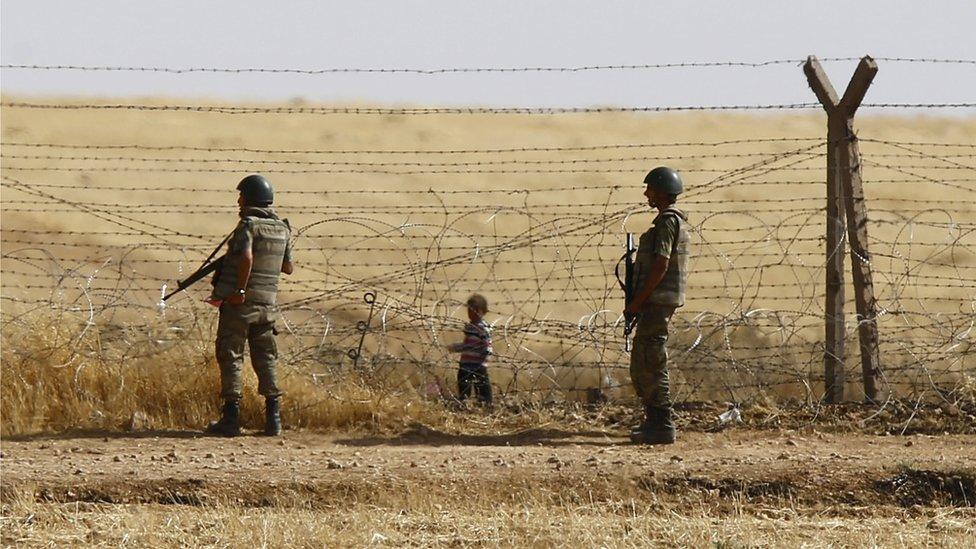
column 217, row 249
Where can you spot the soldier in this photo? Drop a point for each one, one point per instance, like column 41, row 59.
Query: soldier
column 245, row 289
column 660, row 274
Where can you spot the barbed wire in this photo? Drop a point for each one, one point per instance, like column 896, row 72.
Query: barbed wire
column 522, row 149
column 544, row 254
column 430, row 192
column 520, row 162
column 424, row 111
column 447, row 192
column 419, row 164
column 559, row 209
column 455, row 70
column 123, row 169
column 427, row 111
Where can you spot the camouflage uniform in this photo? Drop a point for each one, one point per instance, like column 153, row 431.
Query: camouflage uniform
column 253, row 324
column 668, row 237
column 253, row 321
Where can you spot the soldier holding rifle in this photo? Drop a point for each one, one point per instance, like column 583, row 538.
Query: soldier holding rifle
column 658, row 288
column 245, row 290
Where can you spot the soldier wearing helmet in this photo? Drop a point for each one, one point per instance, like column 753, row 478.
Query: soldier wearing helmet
column 660, row 274
column 245, row 289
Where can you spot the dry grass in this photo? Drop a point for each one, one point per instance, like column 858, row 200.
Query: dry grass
column 54, row 381
column 479, row 523
column 48, row 387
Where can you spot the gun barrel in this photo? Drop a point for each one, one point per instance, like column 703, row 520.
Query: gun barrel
column 197, row 275
column 628, row 285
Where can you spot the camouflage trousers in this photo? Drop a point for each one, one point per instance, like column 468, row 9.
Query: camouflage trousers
column 253, row 324
column 649, row 357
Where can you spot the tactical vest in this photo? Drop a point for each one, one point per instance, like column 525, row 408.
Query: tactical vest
column 270, row 239
column 670, row 292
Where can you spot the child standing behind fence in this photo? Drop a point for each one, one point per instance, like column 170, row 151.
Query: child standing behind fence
column 472, row 372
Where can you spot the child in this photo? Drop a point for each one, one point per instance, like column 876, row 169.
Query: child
column 472, row 372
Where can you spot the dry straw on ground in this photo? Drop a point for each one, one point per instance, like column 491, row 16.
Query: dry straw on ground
column 509, row 525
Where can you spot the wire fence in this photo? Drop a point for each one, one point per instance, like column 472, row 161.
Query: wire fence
column 428, row 111
column 537, row 229
column 451, row 70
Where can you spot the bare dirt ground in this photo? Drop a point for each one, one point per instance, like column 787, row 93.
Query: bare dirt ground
column 920, row 484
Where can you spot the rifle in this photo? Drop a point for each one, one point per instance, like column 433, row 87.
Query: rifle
column 209, row 265
column 627, row 285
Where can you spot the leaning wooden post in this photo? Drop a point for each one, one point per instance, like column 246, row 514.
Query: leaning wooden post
column 834, row 324
column 846, row 171
column 857, row 232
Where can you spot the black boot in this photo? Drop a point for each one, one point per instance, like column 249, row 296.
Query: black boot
column 272, row 417
column 637, row 433
column 658, row 427
column 230, row 421
column 662, row 430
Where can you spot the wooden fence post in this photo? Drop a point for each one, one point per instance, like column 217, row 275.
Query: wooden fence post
column 845, row 198
column 857, row 232
column 834, row 323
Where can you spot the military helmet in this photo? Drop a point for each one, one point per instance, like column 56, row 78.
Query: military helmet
column 665, row 180
column 257, row 190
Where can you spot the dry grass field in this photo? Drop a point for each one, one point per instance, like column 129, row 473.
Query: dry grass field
column 102, row 391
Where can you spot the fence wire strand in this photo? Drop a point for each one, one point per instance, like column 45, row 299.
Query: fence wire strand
column 456, row 70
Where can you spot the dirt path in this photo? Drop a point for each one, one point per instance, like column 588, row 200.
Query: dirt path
column 736, row 467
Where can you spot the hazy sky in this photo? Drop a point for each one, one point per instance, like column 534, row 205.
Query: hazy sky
column 434, row 34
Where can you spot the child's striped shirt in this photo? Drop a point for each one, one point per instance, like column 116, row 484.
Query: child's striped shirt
column 477, row 343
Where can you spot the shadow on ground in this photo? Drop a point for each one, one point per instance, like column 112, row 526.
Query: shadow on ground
column 106, row 434
column 419, row 434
